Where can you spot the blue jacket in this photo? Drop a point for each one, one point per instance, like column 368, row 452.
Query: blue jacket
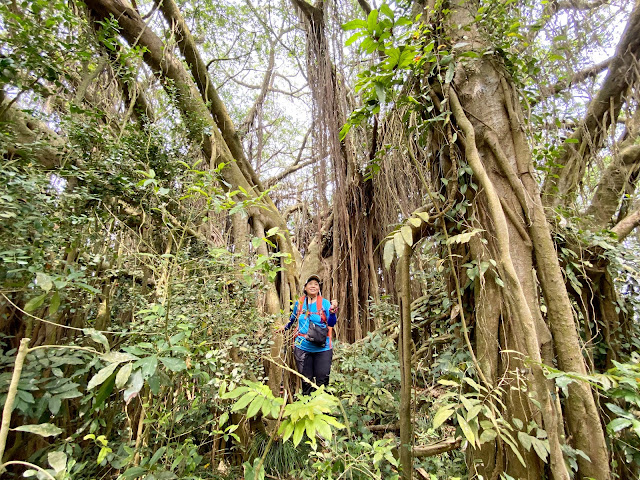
column 303, row 324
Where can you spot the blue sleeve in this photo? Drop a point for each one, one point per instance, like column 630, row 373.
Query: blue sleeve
column 293, row 317
column 331, row 317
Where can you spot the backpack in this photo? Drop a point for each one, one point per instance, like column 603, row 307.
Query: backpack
column 316, row 334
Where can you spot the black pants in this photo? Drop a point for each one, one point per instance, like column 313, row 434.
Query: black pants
column 315, row 366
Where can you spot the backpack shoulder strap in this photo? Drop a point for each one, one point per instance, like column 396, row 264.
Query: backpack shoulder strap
column 300, row 305
column 320, row 310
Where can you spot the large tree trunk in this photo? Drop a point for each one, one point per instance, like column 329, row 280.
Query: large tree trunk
column 509, row 209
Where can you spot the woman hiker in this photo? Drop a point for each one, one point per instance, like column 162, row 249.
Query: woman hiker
column 313, row 349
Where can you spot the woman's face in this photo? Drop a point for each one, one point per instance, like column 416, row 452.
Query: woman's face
column 312, row 288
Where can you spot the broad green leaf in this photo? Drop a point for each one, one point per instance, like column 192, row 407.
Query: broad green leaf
column 223, row 419
column 123, row 375
column 416, row 222
column 424, row 216
column 157, row 455
column 101, row 376
column 147, row 365
column 354, row 24
column 380, row 92
column 43, row 429
column 541, row 448
column 134, row 385
column 389, row 252
column 324, row 430
column 398, row 243
column 442, row 415
column 386, row 10
column 372, row 20
column 174, row 364
column 474, row 411
column 619, row 424
column 235, row 393
column 466, row 429
column 118, row 357
column 407, row 234
column 450, row 72
column 488, row 435
column 58, row 461
column 463, row 237
column 255, row 406
column 133, row 472
column 298, row 431
column 286, row 429
column 525, row 440
column 44, row 281
column 34, row 303
column 54, row 405
column 55, row 303
column 97, row 337
column 243, row 401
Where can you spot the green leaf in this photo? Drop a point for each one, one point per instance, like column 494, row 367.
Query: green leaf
column 372, row 20
column 156, row 456
column 147, row 365
column 255, row 406
column 58, row 461
column 118, row 357
column 541, row 448
column 55, row 303
column 133, row 472
column 97, row 337
column 324, row 430
column 466, row 429
column 43, row 429
column 123, row 375
column 525, row 440
column 354, row 24
column 54, row 405
column 416, row 222
column 174, row 364
column 44, row 281
column 618, row 424
column 235, row 393
column 386, row 10
column 389, row 252
column 488, row 435
column 398, row 243
column 442, row 415
column 380, row 92
column 223, row 419
column 243, row 401
column 34, row 303
column 424, row 216
column 407, row 234
column 298, row 431
column 450, row 72
column 101, row 376
column 286, row 429
column 134, row 385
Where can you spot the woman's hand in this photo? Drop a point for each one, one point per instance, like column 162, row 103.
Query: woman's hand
column 334, row 306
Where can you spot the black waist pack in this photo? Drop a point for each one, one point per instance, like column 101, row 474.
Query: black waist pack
column 317, row 334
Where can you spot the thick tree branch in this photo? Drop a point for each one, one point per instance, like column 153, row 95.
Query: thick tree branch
column 612, row 185
column 578, row 77
column 626, row 225
column 209, row 94
column 421, row 451
column 563, row 179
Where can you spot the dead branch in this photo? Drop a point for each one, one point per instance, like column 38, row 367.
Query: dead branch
column 421, row 451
